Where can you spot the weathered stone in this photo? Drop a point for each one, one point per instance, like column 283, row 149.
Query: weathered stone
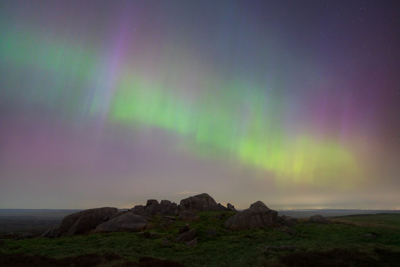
column 51, row 233
column 222, row 207
column 319, row 219
column 84, row 221
column 257, row 216
column 151, row 207
column 167, row 207
column 287, row 221
column 184, row 229
column 112, row 216
column 152, row 202
column 138, row 209
column 188, row 216
column 258, row 204
column 192, row 243
column 186, row 236
column 126, row 222
column 202, row 202
column 231, row 207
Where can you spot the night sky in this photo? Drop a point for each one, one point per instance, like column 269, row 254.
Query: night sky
column 110, row 103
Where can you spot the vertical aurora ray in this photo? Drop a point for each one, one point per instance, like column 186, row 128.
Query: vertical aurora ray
column 232, row 118
column 66, row 67
column 247, row 129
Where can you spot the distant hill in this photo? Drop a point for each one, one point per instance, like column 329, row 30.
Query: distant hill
column 61, row 213
column 47, row 213
column 331, row 212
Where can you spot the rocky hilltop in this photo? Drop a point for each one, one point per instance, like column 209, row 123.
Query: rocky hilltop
column 136, row 219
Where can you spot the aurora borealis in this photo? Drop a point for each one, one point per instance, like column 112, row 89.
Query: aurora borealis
column 109, row 103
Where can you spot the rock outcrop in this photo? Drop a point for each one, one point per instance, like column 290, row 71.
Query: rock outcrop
column 165, row 207
column 287, row 221
column 138, row 209
column 84, row 221
column 222, row 207
column 168, row 208
column 51, row 233
column 202, row 202
column 257, row 216
column 125, row 222
column 231, row 207
column 186, row 236
column 151, row 207
column 319, row 219
column 192, row 243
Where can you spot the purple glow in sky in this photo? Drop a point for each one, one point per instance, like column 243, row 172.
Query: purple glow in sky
column 110, row 103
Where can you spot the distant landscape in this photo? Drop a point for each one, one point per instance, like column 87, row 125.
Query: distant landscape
column 297, row 213
column 340, row 237
column 37, row 221
column 107, row 104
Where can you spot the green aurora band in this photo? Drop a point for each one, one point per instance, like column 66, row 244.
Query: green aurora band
column 242, row 125
column 240, row 130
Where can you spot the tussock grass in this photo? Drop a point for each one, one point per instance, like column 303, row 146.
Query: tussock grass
column 352, row 241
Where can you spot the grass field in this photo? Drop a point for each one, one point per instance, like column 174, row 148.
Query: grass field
column 361, row 240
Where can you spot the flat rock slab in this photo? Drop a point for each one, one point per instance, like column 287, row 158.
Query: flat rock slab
column 84, row 221
column 202, row 202
column 319, row 219
column 186, row 236
column 257, row 216
column 125, row 222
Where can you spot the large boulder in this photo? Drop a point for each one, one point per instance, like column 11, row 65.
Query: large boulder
column 138, row 209
column 231, row 207
column 167, row 207
column 319, row 219
column 222, row 207
column 287, row 221
column 202, row 202
column 84, row 221
column 151, row 207
column 258, row 204
column 51, row 233
column 257, row 216
column 125, row 222
column 186, row 236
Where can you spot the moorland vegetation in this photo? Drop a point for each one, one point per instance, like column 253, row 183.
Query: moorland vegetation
column 205, row 239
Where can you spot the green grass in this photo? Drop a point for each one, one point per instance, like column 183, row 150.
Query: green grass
column 367, row 239
column 378, row 220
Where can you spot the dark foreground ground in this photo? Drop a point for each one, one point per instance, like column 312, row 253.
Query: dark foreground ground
column 360, row 240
